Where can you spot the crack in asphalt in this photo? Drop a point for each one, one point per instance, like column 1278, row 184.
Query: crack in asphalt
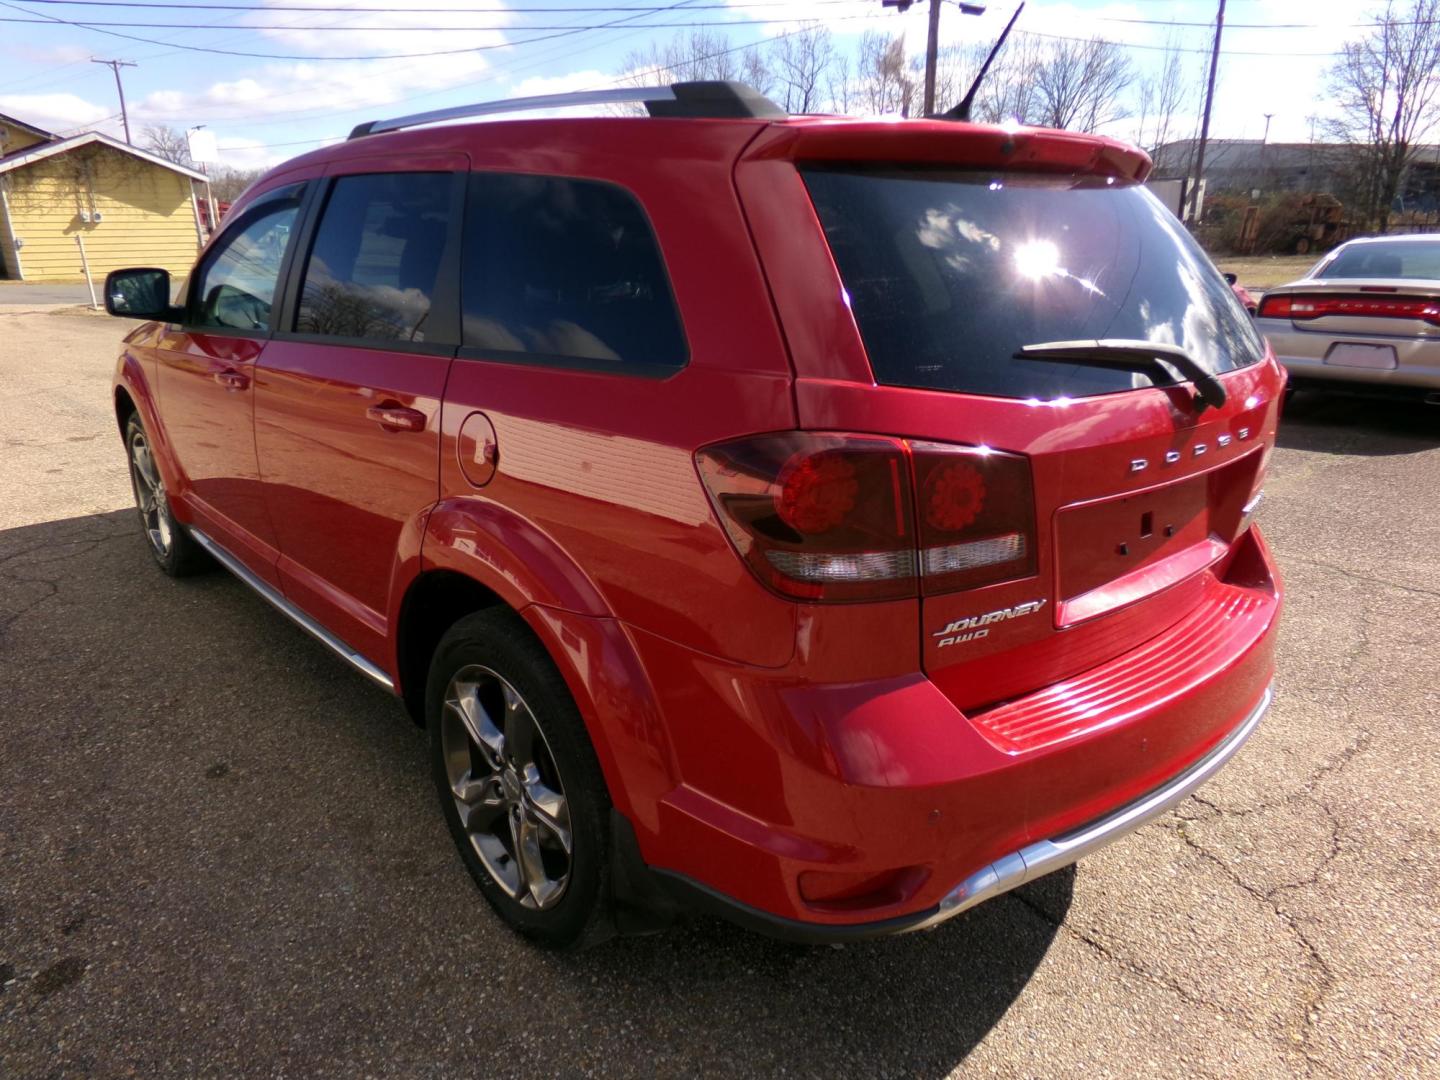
column 1138, row 970
column 80, row 545
column 1357, row 576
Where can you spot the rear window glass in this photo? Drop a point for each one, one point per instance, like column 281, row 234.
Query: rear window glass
column 1416, row 259
column 949, row 274
column 562, row 271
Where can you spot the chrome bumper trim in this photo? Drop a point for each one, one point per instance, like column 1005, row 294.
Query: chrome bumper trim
column 1040, row 858
column 285, row 607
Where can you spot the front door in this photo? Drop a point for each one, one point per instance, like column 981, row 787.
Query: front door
column 347, row 407
column 207, row 373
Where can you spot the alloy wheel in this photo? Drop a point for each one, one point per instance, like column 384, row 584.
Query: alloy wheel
column 507, row 789
column 150, row 494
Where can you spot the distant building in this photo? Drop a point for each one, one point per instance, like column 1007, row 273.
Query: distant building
column 1244, row 165
column 131, row 207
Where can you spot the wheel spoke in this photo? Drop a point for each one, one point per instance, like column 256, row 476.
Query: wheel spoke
column 145, row 465
column 532, row 865
column 547, row 807
column 481, row 729
column 519, row 728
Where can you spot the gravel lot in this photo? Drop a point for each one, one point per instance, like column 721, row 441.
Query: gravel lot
column 220, row 853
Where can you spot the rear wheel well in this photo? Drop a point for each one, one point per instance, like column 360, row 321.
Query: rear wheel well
column 435, row 602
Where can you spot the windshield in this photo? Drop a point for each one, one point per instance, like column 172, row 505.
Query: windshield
column 950, row 273
column 1414, row 259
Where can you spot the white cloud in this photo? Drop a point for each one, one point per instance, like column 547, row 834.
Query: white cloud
column 57, row 112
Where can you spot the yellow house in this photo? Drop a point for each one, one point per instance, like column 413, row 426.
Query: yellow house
column 92, row 198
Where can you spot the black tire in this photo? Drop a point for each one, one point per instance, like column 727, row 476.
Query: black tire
column 175, row 551
column 496, row 642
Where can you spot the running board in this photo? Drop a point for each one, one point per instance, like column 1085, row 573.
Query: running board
column 285, row 607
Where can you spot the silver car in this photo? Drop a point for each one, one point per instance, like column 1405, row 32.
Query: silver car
column 1366, row 317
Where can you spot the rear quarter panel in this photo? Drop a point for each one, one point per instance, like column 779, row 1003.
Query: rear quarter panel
column 596, row 506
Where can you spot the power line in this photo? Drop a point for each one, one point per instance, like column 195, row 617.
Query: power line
column 629, row 27
column 1176, row 48
column 89, row 25
column 524, row 9
column 311, row 57
column 432, row 93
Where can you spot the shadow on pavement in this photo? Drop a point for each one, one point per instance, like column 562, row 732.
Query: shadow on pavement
column 1334, row 423
column 221, row 853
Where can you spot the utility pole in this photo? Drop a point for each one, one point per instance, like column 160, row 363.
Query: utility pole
column 932, row 40
column 115, row 66
column 1205, row 118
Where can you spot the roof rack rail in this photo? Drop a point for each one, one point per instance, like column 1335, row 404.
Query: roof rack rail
column 696, row 100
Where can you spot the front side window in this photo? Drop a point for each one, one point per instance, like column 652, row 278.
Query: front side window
column 236, row 287
column 566, row 271
column 375, row 262
column 950, row 273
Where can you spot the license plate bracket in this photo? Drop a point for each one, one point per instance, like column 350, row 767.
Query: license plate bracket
column 1354, row 354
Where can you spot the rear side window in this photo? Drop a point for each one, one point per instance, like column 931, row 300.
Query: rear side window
column 561, row 271
column 374, row 264
column 949, row 274
column 1415, row 259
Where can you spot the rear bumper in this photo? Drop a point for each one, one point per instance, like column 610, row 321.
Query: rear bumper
column 1303, row 352
column 1008, row 872
column 826, row 812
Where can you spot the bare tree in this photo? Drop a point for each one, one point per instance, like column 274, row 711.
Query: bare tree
column 884, row 82
column 1010, row 90
column 843, row 96
column 167, row 142
column 699, row 56
column 1161, row 96
column 1385, row 88
column 226, row 183
column 756, row 72
column 1082, row 84
column 802, row 63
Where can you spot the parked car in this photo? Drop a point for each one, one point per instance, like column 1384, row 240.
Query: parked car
column 832, row 523
column 1366, row 318
column 1246, row 298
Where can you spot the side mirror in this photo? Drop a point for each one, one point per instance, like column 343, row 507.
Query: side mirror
column 140, row 294
column 1230, row 279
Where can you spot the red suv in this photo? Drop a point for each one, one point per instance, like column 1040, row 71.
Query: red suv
column 829, row 522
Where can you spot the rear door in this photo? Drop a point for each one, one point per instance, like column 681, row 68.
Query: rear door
column 347, row 405
column 1134, row 490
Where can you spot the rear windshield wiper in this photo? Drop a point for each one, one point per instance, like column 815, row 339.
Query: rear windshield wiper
column 1134, row 355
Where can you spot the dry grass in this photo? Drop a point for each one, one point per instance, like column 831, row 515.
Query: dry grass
column 1266, row 271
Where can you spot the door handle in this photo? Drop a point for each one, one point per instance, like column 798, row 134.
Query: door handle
column 397, row 417
column 232, row 379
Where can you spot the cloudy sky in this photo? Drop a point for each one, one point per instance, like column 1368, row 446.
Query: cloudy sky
column 320, row 72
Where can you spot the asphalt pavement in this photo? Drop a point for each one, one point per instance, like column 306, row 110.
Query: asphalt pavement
column 34, row 293
column 220, row 853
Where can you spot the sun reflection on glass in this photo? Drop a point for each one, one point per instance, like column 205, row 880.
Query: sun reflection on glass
column 1036, row 259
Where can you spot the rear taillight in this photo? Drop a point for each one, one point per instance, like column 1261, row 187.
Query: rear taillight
column 838, row 518
column 976, row 514
column 1301, row 307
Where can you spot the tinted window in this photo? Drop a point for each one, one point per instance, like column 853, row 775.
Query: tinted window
column 236, row 287
column 1403, row 259
column 566, row 270
column 949, row 274
column 373, row 266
